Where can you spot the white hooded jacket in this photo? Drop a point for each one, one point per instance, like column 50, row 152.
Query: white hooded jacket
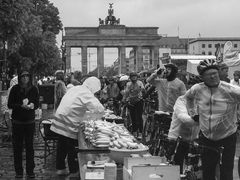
column 74, row 105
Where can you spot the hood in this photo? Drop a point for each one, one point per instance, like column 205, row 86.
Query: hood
column 93, row 84
column 30, row 83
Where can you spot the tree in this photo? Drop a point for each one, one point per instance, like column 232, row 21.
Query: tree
column 42, row 52
column 49, row 16
column 15, row 20
column 29, row 27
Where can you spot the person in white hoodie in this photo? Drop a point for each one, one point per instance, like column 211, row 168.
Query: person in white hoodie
column 68, row 117
column 183, row 126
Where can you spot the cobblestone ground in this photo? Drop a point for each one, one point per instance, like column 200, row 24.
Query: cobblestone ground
column 43, row 171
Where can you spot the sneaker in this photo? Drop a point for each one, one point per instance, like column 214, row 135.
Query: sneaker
column 19, row 176
column 62, row 172
column 74, row 175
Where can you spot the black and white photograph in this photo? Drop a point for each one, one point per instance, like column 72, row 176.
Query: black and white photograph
column 119, row 89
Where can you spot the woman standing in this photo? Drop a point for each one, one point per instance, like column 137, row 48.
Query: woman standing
column 23, row 100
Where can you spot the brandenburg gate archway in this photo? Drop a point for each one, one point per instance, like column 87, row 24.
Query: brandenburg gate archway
column 110, row 33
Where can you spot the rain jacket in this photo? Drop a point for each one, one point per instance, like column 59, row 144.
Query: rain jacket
column 217, row 108
column 168, row 92
column 74, row 105
column 182, row 124
column 17, row 94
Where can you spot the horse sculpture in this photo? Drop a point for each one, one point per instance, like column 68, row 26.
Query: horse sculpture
column 110, row 19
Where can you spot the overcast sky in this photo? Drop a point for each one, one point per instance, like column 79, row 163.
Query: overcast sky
column 186, row 18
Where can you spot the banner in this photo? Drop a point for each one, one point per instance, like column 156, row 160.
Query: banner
column 230, row 57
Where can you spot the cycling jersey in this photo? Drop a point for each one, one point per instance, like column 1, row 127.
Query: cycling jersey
column 168, row 92
column 217, row 108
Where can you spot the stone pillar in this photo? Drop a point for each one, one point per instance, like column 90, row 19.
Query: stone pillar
column 100, row 60
column 68, row 58
column 139, row 59
column 84, row 60
column 122, row 60
column 155, row 56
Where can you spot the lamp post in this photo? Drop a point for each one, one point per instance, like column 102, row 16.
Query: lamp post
column 63, row 49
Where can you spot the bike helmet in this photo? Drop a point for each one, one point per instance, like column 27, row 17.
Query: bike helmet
column 173, row 66
column 124, row 78
column 206, row 64
column 133, row 74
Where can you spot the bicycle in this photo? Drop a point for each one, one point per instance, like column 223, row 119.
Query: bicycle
column 192, row 166
column 160, row 126
column 125, row 114
column 148, row 114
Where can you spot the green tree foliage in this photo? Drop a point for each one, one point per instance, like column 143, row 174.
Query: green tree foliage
column 16, row 20
column 30, row 28
column 49, row 16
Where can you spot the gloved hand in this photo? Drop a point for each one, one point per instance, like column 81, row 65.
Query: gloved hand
column 196, row 118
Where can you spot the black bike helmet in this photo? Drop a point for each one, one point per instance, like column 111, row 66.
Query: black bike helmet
column 172, row 66
column 207, row 64
column 133, row 74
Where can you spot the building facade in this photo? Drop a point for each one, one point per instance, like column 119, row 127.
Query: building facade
column 208, row 46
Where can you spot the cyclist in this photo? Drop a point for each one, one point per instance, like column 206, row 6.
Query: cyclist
column 133, row 94
column 184, row 126
column 113, row 93
column 122, row 85
column 169, row 87
column 223, row 72
column 217, row 108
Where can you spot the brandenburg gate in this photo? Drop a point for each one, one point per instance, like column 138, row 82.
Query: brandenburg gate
column 110, row 33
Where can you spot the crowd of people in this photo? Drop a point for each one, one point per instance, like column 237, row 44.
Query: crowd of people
column 206, row 110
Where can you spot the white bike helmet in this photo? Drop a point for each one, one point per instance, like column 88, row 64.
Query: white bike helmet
column 124, row 78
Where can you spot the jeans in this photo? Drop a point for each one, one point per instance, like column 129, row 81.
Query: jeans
column 21, row 133
column 210, row 158
column 136, row 112
column 66, row 148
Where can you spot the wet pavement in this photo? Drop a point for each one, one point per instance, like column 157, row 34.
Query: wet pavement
column 43, row 171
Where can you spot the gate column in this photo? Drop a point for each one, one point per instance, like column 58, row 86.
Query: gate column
column 154, row 56
column 139, row 59
column 100, row 60
column 122, row 60
column 68, row 58
column 84, row 60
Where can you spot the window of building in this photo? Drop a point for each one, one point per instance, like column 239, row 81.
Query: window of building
column 209, row 53
column 203, row 45
column 209, row 45
column 203, row 53
column 235, row 45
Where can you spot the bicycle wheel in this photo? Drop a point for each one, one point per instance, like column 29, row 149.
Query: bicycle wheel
column 190, row 175
column 147, row 130
column 128, row 120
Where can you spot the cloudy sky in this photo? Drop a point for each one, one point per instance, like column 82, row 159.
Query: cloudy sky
column 186, row 18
